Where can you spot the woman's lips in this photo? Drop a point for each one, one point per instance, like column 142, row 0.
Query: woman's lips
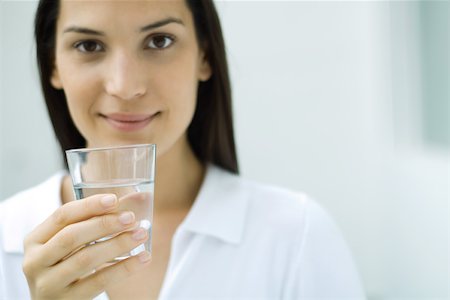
column 128, row 122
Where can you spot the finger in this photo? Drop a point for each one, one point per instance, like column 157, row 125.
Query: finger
column 72, row 212
column 98, row 282
column 138, row 202
column 77, row 235
column 92, row 257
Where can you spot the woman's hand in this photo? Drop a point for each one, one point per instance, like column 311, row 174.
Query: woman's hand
column 57, row 264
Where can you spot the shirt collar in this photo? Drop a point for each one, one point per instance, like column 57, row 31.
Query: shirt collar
column 26, row 210
column 220, row 208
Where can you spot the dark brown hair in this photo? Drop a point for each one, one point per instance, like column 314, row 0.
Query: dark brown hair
column 210, row 133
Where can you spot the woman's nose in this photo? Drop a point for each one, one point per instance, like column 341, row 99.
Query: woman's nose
column 125, row 79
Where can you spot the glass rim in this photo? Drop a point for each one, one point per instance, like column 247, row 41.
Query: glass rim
column 78, row 150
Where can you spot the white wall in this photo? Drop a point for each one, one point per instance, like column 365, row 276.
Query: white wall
column 28, row 151
column 317, row 108
column 318, row 101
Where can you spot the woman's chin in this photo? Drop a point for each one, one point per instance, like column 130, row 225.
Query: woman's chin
column 119, row 142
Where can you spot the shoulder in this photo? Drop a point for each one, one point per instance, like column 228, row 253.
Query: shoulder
column 280, row 209
column 23, row 211
column 275, row 197
column 28, row 198
column 282, row 206
column 288, row 217
column 308, row 237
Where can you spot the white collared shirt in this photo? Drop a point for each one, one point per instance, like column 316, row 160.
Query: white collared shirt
column 240, row 240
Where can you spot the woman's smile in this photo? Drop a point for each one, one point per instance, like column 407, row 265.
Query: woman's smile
column 128, row 122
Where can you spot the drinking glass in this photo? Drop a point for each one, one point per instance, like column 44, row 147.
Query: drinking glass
column 126, row 171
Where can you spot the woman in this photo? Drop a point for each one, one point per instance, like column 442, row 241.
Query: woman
column 131, row 72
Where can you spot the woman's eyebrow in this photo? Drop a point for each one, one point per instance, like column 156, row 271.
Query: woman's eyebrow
column 161, row 23
column 84, row 30
column 150, row 26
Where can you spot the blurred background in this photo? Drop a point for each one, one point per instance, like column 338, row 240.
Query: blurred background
column 347, row 101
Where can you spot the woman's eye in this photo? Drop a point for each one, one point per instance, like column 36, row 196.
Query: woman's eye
column 88, row 46
column 160, row 42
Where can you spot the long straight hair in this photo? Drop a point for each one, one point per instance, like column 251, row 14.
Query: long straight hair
column 210, row 133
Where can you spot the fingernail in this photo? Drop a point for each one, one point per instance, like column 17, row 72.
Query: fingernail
column 108, row 200
column 126, row 218
column 139, row 234
column 144, row 257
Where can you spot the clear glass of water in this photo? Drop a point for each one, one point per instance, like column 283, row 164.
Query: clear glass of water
column 126, row 171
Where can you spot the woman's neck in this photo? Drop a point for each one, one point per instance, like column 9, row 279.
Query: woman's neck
column 179, row 176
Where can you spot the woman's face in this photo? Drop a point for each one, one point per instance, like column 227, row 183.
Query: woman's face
column 129, row 70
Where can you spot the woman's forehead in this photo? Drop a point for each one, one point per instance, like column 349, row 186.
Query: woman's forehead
column 119, row 13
